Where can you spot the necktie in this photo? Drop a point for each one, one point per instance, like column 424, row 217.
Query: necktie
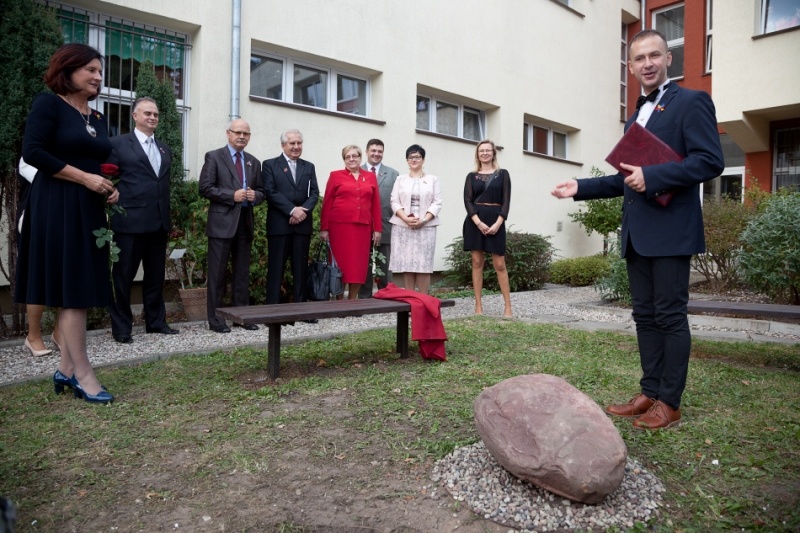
column 239, row 169
column 152, row 155
column 649, row 98
column 293, row 168
column 372, row 169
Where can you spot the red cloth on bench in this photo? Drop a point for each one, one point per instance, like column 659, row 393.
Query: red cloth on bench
column 426, row 320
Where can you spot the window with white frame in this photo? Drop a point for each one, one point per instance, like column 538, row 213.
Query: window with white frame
column 623, row 74
column 709, row 33
column 125, row 45
column 450, row 118
column 299, row 82
column 778, row 15
column 670, row 23
column 545, row 140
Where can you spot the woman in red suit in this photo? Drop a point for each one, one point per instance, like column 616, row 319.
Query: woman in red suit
column 351, row 218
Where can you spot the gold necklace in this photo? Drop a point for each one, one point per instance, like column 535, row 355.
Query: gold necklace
column 89, row 128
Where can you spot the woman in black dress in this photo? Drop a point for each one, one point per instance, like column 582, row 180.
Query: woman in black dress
column 59, row 262
column 487, row 197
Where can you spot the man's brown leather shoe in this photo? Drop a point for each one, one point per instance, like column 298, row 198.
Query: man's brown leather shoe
column 638, row 406
column 659, row 416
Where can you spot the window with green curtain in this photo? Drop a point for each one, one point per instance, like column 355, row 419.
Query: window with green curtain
column 127, row 46
column 74, row 26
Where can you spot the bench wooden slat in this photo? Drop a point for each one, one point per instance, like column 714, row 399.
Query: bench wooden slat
column 276, row 316
column 745, row 308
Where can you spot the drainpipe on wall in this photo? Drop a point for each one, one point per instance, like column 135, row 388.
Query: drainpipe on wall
column 641, row 17
column 236, row 52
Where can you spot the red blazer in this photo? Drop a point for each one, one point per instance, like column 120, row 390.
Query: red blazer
column 351, row 201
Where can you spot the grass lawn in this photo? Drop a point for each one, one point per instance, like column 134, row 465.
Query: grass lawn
column 209, row 436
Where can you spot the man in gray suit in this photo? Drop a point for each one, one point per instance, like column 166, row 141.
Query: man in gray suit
column 231, row 179
column 141, row 233
column 386, row 178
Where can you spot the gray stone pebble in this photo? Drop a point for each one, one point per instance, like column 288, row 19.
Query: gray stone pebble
column 471, row 475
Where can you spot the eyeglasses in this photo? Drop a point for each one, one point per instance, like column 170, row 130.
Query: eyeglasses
column 352, row 157
column 414, row 158
column 240, row 133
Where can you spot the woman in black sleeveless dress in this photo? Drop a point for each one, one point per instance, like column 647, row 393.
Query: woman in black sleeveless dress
column 487, row 197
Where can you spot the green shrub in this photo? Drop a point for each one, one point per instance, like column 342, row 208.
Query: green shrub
column 602, row 215
column 615, row 286
column 579, row 271
column 724, row 221
column 770, row 257
column 528, row 258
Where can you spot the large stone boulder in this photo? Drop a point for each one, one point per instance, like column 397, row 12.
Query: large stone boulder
column 545, row 431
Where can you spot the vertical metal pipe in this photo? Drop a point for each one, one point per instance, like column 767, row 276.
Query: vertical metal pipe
column 236, row 51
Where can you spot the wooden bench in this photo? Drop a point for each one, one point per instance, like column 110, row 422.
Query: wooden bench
column 745, row 309
column 275, row 316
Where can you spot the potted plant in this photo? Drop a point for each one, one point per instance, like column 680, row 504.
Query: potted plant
column 188, row 247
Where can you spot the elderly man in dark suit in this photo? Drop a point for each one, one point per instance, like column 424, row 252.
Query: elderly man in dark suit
column 141, row 233
column 231, row 179
column 658, row 241
column 292, row 192
column 386, row 177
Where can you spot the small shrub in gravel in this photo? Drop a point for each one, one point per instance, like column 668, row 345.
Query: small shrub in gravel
column 615, row 286
column 579, row 271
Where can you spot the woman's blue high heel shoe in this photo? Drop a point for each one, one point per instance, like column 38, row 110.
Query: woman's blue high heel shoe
column 60, row 381
column 101, row 397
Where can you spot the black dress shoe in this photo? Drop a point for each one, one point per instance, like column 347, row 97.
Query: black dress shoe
column 220, row 329
column 165, row 330
column 248, row 327
column 123, row 338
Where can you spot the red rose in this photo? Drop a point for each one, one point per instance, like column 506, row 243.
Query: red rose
column 109, row 170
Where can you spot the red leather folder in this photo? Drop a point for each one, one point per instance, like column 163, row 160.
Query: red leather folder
column 640, row 147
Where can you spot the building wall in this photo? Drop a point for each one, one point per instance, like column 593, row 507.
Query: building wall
column 536, row 58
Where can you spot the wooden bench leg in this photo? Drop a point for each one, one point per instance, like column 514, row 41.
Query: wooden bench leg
column 274, row 351
column 402, row 334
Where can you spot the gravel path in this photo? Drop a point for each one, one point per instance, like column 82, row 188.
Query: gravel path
column 572, row 307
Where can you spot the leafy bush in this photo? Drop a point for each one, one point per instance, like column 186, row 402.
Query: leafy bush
column 770, row 257
column 615, row 286
column 528, row 258
column 579, row 271
column 602, row 215
column 724, row 221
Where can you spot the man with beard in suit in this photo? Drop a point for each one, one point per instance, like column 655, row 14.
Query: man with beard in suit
column 231, row 179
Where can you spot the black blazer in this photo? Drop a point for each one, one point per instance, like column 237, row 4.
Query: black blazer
column 218, row 182
column 284, row 194
column 143, row 194
column 686, row 121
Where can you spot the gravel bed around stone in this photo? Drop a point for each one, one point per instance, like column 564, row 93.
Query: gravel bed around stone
column 472, row 476
column 567, row 306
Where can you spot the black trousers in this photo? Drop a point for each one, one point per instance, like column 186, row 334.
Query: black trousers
column 280, row 248
column 149, row 249
column 660, row 293
column 220, row 251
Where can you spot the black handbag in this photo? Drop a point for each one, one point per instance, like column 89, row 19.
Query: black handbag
column 324, row 278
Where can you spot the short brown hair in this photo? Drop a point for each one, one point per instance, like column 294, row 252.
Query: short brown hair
column 644, row 34
column 66, row 60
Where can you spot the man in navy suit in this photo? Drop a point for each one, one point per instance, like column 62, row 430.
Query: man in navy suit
column 231, row 179
column 141, row 233
column 292, row 192
column 658, row 241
